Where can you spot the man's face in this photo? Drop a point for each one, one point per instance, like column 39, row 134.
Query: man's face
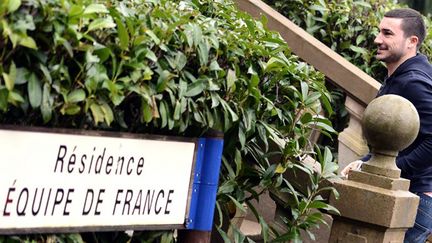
column 391, row 41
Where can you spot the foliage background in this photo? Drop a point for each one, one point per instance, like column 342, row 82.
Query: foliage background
column 425, row 7
column 171, row 68
column 349, row 28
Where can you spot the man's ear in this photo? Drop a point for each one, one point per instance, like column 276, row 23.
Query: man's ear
column 413, row 41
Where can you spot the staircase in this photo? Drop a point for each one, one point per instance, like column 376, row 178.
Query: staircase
column 359, row 87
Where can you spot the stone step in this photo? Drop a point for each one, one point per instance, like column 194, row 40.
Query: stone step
column 251, row 229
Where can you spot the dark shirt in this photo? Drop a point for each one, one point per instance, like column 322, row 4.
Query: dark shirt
column 413, row 81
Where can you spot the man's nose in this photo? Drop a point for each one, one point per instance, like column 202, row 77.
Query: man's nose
column 378, row 40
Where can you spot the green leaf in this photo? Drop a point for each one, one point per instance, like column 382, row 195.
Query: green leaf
column 152, row 35
column 324, row 126
column 27, row 41
column 102, row 53
column 14, row 39
column 318, row 8
column 328, row 157
column 151, row 55
column 194, row 88
column 71, row 109
column 15, row 98
column 357, row 49
column 95, row 8
column 254, row 81
column 108, row 113
column 209, row 117
column 326, row 103
column 163, row 114
column 21, row 75
column 360, row 39
column 177, row 110
column 90, row 58
column 307, row 117
column 163, row 80
column 318, row 205
column 238, row 204
column 10, row 78
column 242, row 137
column 75, row 10
column 76, row 95
column 101, row 23
column 203, row 53
column 97, row 112
column 264, row 228
column 46, row 73
column 363, row 4
column 123, row 34
column 214, row 66
column 188, row 33
column 230, row 170
column 239, row 237
column 196, row 34
column 224, row 235
column 148, row 73
column 231, row 79
column 226, row 187
column 181, row 60
column 3, row 99
column 226, row 107
column 46, row 106
column 13, row 5
column 193, row 34
column 312, row 98
column 238, row 163
column 75, row 237
column 304, row 90
column 147, row 111
column 273, row 64
column 34, row 90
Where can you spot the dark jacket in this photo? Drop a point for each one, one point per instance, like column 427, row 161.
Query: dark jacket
column 413, row 81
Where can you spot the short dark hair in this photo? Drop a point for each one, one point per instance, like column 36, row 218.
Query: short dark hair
column 412, row 22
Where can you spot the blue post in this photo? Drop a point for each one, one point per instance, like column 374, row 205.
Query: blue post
column 205, row 185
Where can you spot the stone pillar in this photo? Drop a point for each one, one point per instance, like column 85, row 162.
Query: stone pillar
column 375, row 204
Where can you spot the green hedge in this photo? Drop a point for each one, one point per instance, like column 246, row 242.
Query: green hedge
column 171, row 68
column 349, row 27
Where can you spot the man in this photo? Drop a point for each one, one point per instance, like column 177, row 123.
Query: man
column 409, row 74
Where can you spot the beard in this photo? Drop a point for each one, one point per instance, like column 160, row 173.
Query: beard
column 388, row 56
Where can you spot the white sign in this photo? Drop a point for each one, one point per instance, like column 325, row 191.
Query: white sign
column 53, row 180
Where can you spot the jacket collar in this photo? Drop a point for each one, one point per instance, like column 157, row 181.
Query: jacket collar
column 408, row 64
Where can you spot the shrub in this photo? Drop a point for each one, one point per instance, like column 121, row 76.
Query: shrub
column 348, row 27
column 171, row 68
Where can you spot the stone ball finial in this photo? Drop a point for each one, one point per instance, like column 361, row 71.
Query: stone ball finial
column 390, row 124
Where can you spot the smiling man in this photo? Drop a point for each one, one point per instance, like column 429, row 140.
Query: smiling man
column 409, row 74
